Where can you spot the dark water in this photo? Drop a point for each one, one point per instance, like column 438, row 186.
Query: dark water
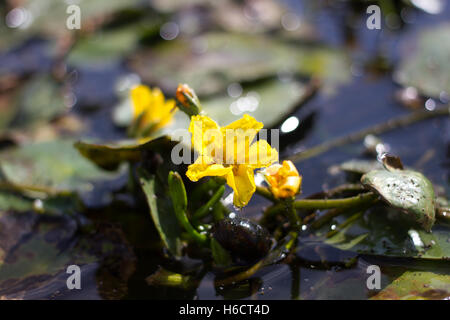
column 366, row 100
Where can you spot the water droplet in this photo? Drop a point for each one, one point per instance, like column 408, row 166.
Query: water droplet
column 430, row 105
column 234, row 90
column 169, row 30
column 290, row 21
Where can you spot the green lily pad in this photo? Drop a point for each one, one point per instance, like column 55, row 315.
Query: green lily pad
column 161, row 210
column 225, row 58
column 407, row 190
column 427, row 69
column 360, row 166
column 257, row 100
column 41, row 99
column 417, row 285
column 39, row 13
column 382, row 231
column 109, row 155
column 104, row 47
column 58, row 205
column 36, row 251
column 50, row 167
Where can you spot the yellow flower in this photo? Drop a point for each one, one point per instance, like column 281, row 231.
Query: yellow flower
column 228, row 152
column 284, row 180
column 151, row 108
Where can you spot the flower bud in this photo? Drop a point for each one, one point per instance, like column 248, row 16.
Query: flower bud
column 187, row 100
column 284, row 180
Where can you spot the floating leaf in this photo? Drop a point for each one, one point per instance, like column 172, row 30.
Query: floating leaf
column 407, row 190
column 427, row 69
column 257, row 100
column 232, row 58
column 104, row 47
column 382, row 231
column 161, row 211
column 38, row 15
column 360, row 166
column 109, row 155
column 417, row 285
column 50, row 167
column 41, row 99
column 36, row 251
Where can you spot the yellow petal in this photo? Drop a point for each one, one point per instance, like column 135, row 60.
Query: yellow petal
column 204, row 166
column 288, row 169
column 273, row 170
column 141, row 96
column 246, row 122
column 289, row 188
column 242, row 181
column 206, row 135
column 238, row 136
column 166, row 116
column 261, row 154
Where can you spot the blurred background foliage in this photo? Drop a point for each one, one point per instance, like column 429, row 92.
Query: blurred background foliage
column 310, row 68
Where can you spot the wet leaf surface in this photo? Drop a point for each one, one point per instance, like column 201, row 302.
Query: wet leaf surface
column 409, row 191
column 218, row 48
column 36, row 250
column 110, row 155
column 417, row 285
column 384, row 232
column 360, row 166
column 50, row 167
column 40, row 23
column 234, row 58
column 427, row 69
column 104, row 48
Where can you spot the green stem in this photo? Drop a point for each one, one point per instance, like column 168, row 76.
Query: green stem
column 240, row 276
column 344, row 224
column 205, row 209
column 202, row 239
column 318, row 204
column 265, row 192
column 334, row 203
column 177, row 192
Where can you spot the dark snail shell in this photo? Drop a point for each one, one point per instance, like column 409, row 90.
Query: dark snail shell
column 246, row 241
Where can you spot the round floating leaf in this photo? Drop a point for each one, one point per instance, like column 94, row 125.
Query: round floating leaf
column 360, row 166
column 50, row 167
column 109, row 155
column 268, row 102
column 35, row 252
column 41, row 99
column 104, row 47
column 417, row 285
column 427, row 69
column 228, row 58
column 383, row 231
column 407, row 190
column 38, row 14
column 261, row 101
